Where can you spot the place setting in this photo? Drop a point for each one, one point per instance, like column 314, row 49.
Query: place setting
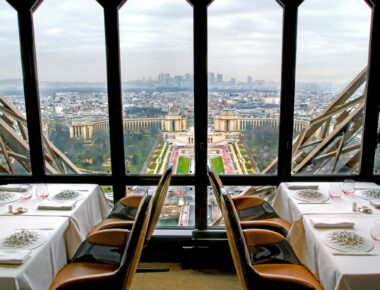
column 63, row 200
column 15, row 248
column 310, row 196
column 338, row 233
column 13, row 192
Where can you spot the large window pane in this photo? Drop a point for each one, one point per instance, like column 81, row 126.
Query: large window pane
column 330, row 92
column 72, row 74
column 179, row 206
column 157, row 54
column 244, row 84
column 14, row 145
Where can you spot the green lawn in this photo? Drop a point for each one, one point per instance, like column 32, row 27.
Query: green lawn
column 217, row 164
column 183, row 165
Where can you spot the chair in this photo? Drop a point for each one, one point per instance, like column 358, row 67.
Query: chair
column 94, row 275
column 124, row 211
column 93, row 252
column 263, row 275
column 253, row 212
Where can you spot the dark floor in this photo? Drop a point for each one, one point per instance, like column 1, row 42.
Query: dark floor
column 179, row 278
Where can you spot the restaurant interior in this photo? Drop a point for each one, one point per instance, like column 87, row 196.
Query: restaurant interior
column 309, row 220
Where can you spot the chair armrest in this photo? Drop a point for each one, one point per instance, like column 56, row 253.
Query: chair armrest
column 258, row 237
column 243, row 202
column 110, row 237
column 131, row 200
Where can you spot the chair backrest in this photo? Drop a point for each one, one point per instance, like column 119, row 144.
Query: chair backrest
column 239, row 251
column 135, row 243
column 236, row 240
column 158, row 200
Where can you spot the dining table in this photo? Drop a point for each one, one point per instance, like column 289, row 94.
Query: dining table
column 331, row 237
column 61, row 221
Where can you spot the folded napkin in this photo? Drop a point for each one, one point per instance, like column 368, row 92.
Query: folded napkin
column 375, row 203
column 57, row 205
column 332, row 223
column 14, row 257
column 301, row 186
column 14, row 187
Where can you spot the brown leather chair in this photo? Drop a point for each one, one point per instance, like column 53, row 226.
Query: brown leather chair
column 124, row 211
column 253, row 212
column 95, row 275
column 263, row 275
column 93, row 252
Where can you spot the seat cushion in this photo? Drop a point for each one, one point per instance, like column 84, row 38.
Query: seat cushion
column 76, row 271
column 287, row 273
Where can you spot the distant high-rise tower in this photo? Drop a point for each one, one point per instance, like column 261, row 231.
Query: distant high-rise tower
column 211, row 78
column 219, row 78
column 249, row 79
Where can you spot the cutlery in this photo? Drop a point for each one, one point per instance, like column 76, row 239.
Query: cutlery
column 354, row 254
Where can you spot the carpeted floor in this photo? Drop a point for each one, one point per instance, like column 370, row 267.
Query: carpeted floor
column 184, row 279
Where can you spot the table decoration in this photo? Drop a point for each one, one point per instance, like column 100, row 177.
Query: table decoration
column 346, row 241
column 310, row 195
column 8, row 196
column 68, row 194
column 24, row 239
column 369, row 193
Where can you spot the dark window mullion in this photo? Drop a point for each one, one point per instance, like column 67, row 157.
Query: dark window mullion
column 371, row 116
column 201, row 110
column 25, row 11
column 115, row 112
column 288, row 80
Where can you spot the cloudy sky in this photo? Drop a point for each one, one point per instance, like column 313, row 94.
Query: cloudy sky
column 156, row 36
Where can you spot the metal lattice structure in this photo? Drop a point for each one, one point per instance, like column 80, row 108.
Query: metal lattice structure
column 14, row 145
column 331, row 143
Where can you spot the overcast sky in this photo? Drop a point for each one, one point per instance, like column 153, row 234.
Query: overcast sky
column 156, row 36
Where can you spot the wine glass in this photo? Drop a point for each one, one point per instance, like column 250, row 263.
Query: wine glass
column 375, row 231
column 348, row 187
column 42, row 191
column 335, row 190
column 25, row 191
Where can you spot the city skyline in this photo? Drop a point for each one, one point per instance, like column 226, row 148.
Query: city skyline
column 156, row 36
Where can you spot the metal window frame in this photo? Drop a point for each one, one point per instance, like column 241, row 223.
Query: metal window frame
column 118, row 178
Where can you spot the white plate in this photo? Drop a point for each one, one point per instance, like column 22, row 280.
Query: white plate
column 369, row 194
column 7, row 197
column 310, row 195
column 40, row 238
column 68, row 195
column 346, row 241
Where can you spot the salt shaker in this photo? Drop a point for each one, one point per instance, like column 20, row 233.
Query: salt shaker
column 354, row 206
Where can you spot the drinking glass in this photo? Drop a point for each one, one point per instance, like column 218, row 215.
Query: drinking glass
column 335, row 190
column 42, row 191
column 375, row 231
column 348, row 187
column 25, row 191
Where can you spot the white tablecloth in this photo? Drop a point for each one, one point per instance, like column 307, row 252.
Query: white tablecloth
column 336, row 272
column 39, row 271
column 87, row 212
column 292, row 209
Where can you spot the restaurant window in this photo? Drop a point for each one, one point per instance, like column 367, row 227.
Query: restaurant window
column 332, row 56
column 158, row 98
column 244, row 86
column 72, row 84
column 14, row 146
column 178, row 209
